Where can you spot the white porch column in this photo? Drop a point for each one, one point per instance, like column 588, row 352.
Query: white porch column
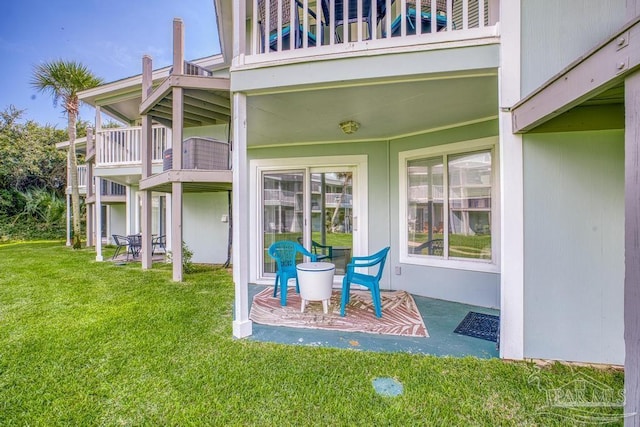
column 242, row 326
column 169, row 220
column 98, row 216
column 632, row 251
column 176, row 138
column 90, row 227
column 147, row 142
column 176, row 187
column 130, row 197
column 511, row 190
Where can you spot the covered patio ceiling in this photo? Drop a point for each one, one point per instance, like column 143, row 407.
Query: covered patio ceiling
column 384, row 110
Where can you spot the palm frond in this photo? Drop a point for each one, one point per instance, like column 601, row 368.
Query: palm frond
column 63, row 80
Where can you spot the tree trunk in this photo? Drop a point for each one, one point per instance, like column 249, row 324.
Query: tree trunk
column 346, row 177
column 73, row 175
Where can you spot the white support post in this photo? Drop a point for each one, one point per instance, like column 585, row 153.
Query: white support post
column 176, row 187
column 68, row 219
column 169, row 220
column 239, row 31
column 127, row 214
column 176, row 230
column 146, row 157
column 98, row 208
column 89, row 193
column 135, row 227
column 242, row 326
column 178, row 47
column 632, row 251
column 511, row 192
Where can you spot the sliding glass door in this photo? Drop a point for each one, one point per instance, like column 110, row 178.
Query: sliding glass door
column 313, row 206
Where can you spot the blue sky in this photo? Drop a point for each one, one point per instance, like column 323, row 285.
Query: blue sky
column 108, row 36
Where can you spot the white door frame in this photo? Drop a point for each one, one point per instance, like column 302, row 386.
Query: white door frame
column 356, row 163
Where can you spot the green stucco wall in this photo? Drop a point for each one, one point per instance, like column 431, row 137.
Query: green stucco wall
column 574, row 246
column 572, row 27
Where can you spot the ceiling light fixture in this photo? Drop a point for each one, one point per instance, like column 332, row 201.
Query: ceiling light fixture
column 349, row 126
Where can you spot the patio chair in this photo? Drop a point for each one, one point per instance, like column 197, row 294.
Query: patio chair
column 285, row 253
column 371, row 282
column 158, row 243
column 135, row 245
column 425, row 17
column 352, row 17
column 120, row 242
column 322, row 252
column 272, row 41
column 433, row 247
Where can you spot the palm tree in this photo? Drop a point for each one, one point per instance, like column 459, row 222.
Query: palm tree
column 63, row 80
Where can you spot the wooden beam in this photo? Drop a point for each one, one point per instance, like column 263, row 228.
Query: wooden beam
column 178, row 46
column 632, row 251
column 599, row 70
column 196, row 101
column 158, row 93
column 194, row 111
column 160, row 114
column 211, row 98
column 187, row 120
column 185, row 82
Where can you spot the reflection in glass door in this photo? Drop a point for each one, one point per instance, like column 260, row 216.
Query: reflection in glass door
column 332, row 217
column 282, row 211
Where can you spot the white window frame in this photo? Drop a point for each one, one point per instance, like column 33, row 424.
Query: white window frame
column 493, row 265
column 327, row 163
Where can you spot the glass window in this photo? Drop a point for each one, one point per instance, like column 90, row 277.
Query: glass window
column 470, row 205
column 425, row 206
column 449, row 206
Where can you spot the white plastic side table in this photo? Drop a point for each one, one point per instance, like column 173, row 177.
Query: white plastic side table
column 316, row 282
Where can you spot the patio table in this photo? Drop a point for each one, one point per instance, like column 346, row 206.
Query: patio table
column 316, row 283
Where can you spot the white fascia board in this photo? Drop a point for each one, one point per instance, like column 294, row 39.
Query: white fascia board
column 225, row 29
column 80, row 142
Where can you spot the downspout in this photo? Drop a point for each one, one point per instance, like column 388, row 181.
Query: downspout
column 227, row 263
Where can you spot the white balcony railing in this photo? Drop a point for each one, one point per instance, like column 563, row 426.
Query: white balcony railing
column 424, row 194
column 333, row 200
column 123, row 146
column 319, row 24
column 279, row 197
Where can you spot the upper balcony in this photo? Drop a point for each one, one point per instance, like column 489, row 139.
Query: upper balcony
column 121, row 147
column 304, row 29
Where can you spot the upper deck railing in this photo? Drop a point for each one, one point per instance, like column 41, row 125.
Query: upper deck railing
column 310, row 27
column 123, row 146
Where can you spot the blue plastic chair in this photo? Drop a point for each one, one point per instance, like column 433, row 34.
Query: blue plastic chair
column 285, row 253
column 372, row 282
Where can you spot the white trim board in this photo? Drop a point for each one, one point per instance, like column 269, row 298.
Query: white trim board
column 360, row 189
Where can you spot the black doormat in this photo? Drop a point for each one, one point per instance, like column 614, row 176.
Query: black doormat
column 480, row 325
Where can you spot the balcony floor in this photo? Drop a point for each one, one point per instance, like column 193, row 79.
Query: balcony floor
column 440, row 317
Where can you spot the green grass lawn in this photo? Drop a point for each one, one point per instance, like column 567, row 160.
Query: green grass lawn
column 87, row 343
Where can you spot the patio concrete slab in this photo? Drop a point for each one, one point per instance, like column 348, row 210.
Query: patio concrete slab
column 440, row 317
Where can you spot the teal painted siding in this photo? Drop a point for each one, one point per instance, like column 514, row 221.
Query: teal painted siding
column 572, row 27
column 574, row 246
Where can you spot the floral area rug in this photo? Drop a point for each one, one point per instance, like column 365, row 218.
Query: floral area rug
column 400, row 315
